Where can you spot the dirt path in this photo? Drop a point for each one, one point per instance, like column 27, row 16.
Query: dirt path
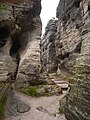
column 42, row 108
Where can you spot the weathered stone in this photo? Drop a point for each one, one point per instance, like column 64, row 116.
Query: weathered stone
column 48, row 52
column 49, row 90
column 72, row 53
column 74, row 38
column 15, row 105
column 64, row 46
column 62, row 105
column 40, row 108
column 62, row 41
column 22, row 107
column 20, row 31
column 7, row 65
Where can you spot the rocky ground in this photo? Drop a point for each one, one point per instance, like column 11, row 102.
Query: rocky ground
column 41, row 108
column 23, row 107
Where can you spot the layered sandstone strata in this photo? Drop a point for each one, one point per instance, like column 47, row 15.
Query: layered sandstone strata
column 20, row 31
column 72, row 53
column 74, row 40
column 48, row 50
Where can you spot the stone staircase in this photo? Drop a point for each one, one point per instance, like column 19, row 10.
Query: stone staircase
column 59, row 81
column 62, row 84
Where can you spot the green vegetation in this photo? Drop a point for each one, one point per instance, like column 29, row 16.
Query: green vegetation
column 34, row 91
column 63, row 76
column 62, row 103
column 1, row 84
column 2, row 106
column 61, row 110
column 48, row 94
column 31, row 91
column 3, row 8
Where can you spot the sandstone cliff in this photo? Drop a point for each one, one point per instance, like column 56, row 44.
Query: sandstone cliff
column 20, row 31
column 65, row 46
column 72, row 53
column 74, row 33
column 66, row 37
column 48, row 50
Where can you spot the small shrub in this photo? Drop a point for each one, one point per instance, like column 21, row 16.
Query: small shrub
column 61, row 110
column 48, row 94
column 3, row 8
column 62, row 103
column 34, row 91
column 31, row 91
column 2, row 106
column 1, row 84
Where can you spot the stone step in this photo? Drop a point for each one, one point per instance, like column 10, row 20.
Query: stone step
column 63, row 86
column 60, row 82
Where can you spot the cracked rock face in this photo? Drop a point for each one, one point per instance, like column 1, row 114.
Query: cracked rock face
column 48, row 48
column 74, row 19
column 15, row 106
column 20, row 31
column 72, row 54
column 61, row 43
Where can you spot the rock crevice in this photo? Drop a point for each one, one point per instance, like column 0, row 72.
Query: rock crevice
column 20, row 31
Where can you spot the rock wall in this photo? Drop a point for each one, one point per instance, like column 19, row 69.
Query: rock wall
column 68, row 42
column 20, row 31
column 65, row 35
column 72, row 48
column 78, row 99
column 48, row 51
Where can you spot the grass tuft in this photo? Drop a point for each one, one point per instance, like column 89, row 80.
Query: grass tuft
column 1, row 84
column 34, row 91
column 2, row 106
column 61, row 110
column 31, row 91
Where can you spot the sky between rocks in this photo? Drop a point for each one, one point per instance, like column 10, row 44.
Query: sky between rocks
column 48, row 11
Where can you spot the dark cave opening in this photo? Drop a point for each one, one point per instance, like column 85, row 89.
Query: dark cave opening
column 14, row 53
column 78, row 48
column 66, row 55
column 89, row 6
column 77, row 3
column 4, row 34
column 15, row 47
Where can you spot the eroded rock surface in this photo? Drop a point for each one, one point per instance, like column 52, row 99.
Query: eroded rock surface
column 61, row 43
column 48, row 50
column 75, row 22
column 42, row 108
column 64, row 46
column 72, row 52
column 20, row 31
column 15, row 106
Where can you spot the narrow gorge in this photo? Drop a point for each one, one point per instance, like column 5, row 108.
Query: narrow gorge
column 48, row 76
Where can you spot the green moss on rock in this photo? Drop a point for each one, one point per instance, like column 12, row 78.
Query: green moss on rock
column 31, row 91
column 2, row 106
